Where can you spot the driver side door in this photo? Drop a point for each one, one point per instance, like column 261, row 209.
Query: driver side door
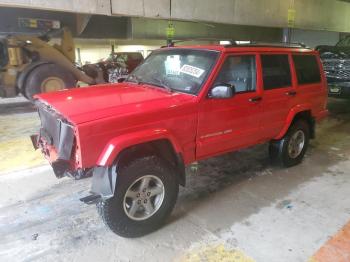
column 226, row 124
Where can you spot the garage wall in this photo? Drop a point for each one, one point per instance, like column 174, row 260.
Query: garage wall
column 249, row 12
column 143, row 28
column 93, row 54
column 329, row 15
column 101, row 7
column 315, row 38
column 142, row 8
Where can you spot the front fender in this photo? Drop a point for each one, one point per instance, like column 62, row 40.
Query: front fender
column 292, row 113
column 118, row 144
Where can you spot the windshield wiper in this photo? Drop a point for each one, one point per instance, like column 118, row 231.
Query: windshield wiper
column 134, row 79
column 160, row 83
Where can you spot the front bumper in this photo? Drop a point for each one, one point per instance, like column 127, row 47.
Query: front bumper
column 339, row 89
column 56, row 140
column 60, row 166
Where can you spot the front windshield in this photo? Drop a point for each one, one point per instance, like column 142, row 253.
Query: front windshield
column 183, row 70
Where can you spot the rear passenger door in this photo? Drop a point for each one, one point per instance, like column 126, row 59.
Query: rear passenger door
column 279, row 94
column 310, row 87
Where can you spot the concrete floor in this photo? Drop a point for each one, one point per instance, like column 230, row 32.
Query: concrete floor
column 238, row 207
column 18, row 120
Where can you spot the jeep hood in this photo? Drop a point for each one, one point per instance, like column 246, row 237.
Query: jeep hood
column 82, row 105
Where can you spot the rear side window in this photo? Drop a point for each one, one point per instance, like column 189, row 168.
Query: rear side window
column 276, row 71
column 307, row 69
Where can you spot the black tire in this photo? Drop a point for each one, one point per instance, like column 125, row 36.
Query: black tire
column 37, row 77
column 112, row 210
column 278, row 150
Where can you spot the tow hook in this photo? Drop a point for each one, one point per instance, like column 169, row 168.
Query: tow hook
column 91, row 199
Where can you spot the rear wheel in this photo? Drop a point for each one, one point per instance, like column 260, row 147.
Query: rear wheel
column 145, row 195
column 290, row 150
column 48, row 78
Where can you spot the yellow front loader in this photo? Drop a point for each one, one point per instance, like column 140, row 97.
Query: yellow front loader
column 31, row 65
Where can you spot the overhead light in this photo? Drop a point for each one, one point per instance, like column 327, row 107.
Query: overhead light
column 225, row 42
column 242, row 42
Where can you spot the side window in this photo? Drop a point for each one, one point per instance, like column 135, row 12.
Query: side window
column 307, row 69
column 239, row 71
column 276, row 71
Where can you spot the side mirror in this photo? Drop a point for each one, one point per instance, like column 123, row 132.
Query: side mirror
column 222, row 90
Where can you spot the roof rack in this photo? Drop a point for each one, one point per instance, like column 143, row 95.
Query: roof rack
column 172, row 42
column 270, row 44
column 236, row 43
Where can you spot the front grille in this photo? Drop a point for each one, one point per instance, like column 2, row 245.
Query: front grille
column 337, row 68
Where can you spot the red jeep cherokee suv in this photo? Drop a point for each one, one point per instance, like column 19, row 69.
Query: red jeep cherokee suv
column 179, row 106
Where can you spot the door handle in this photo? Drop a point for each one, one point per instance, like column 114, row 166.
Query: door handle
column 255, row 99
column 291, row 93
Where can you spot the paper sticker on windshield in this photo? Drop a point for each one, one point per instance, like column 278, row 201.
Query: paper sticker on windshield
column 172, row 65
column 192, row 70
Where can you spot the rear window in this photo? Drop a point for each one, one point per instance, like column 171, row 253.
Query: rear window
column 307, row 69
column 276, row 71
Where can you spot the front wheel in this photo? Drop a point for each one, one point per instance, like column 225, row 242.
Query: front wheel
column 145, row 195
column 290, row 150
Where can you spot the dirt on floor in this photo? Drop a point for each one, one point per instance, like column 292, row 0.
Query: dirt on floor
column 236, row 207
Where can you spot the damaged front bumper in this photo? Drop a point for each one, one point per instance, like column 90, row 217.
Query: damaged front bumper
column 56, row 140
column 60, row 166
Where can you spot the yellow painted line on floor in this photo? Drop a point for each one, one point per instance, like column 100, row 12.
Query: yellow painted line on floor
column 215, row 253
column 18, row 154
column 337, row 249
